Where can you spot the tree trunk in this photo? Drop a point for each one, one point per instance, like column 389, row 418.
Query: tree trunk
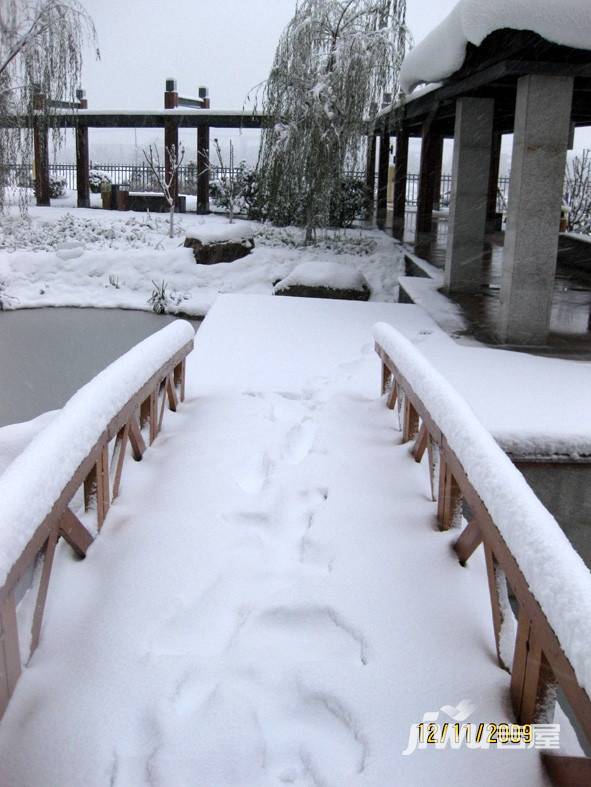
column 171, row 229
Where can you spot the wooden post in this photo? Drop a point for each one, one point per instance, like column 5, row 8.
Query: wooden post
column 10, row 660
column 41, row 147
column 171, row 135
column 203, row 162
column 410, row 422
column 493, row 183
column 82, row 157
column 370, row 175
column 429, row 181
column 400, row 172
column 383, row 166
column 532, row 680
column 449, row 498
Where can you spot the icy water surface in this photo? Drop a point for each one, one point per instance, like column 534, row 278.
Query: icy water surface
column 47, row 354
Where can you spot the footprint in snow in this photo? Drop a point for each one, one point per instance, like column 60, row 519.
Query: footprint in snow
column 299, row 441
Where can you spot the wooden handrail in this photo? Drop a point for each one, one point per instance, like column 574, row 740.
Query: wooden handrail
column 539, row 662
column 136, row 423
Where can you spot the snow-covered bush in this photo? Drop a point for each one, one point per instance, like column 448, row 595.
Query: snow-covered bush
column 335, row 241
column 236, row 190
column 159, row 299
column 97, row 179
column 57, row 187
column 352, row 203
column 577, row 194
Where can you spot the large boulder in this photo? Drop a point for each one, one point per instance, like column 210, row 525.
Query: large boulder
column 215, row 243
column 324, row 280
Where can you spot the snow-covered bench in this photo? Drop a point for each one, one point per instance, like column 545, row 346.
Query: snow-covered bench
column 71, row 472
column 525, row 548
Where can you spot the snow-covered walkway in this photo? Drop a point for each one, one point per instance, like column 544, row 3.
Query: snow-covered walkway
column 269, row 601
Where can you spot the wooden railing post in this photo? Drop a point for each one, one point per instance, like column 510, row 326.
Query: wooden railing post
column 449, row 500
column 410, row 421
column 10, row 660
column 533, row 683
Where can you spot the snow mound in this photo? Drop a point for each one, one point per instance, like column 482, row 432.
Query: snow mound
column 556, row 574
column 331, row 275
column 442, row 52
column 33, row 482
column 222, row 233
column 69, row 250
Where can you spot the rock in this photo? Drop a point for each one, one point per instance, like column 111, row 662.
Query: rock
column 324, row 280
column 221, row 243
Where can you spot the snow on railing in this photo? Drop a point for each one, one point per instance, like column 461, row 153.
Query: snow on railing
column 525, row 548
column 77, row 460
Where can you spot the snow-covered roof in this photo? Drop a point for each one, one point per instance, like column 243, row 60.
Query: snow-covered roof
column 442, row 52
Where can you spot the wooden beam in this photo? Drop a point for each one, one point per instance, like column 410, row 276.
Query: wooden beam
column 400, row 173
column 74, row 533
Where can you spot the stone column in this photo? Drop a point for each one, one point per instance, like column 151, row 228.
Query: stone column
column 82, row 157
column 429, row 182
column 400, row 172
column 469, row 193
column 542, row 125
column 383, row 165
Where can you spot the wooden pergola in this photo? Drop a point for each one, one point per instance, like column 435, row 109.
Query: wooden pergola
column 514, row 82
column 178, row 112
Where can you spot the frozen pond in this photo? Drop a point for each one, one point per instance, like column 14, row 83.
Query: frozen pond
column 47, row 354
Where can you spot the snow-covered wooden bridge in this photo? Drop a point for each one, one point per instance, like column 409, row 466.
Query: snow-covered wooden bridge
column 270, row 599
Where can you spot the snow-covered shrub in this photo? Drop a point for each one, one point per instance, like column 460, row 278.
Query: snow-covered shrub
column 97, row 179
column 6, row 300
column 336, row 241
column 237, row 193
column 57, row 187
column 159, row 300
column 577, row 194
column 352, row 203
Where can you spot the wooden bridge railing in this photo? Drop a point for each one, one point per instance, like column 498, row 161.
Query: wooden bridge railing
column 527, row 554
column 75, row 464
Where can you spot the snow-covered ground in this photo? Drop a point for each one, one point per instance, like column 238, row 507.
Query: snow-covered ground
column 266, row 602
column 86, row 257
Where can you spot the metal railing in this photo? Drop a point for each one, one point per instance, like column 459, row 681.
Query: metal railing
column 539, row 661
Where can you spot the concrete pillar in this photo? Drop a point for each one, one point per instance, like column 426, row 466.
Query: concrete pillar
column 429, row 181
column 542, row 126
column 370, row 175
column 82, row 158
column 400, row 172
column 469, row 193
column 171, row 135
column 383, row 166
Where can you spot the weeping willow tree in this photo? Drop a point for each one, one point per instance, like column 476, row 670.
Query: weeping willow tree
column 41, row 43
column 335, row 61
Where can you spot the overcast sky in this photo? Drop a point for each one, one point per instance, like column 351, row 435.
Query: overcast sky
column 227, row 45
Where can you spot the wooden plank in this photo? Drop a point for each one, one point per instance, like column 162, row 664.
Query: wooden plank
column 136, row 440
column 386, row 378
column 392, row 396
column 48, row 554
column 450, row 494
column 10, row 660
column 410, row 421
column 171, row 393
column 421, row 443
column 567, row 771
column 493, row 589
column 74, row 532
column 118, row 459
column 102, row 486
column 468, row 542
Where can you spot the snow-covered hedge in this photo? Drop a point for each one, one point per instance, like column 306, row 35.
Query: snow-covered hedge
column 555, row 573
column 442, row 52
column 33, row 482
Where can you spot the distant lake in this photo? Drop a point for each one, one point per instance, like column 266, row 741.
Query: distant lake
column 47, row 354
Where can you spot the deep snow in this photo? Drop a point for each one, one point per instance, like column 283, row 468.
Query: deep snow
column 442, row 52
column 87, row 257
column 269, row 601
